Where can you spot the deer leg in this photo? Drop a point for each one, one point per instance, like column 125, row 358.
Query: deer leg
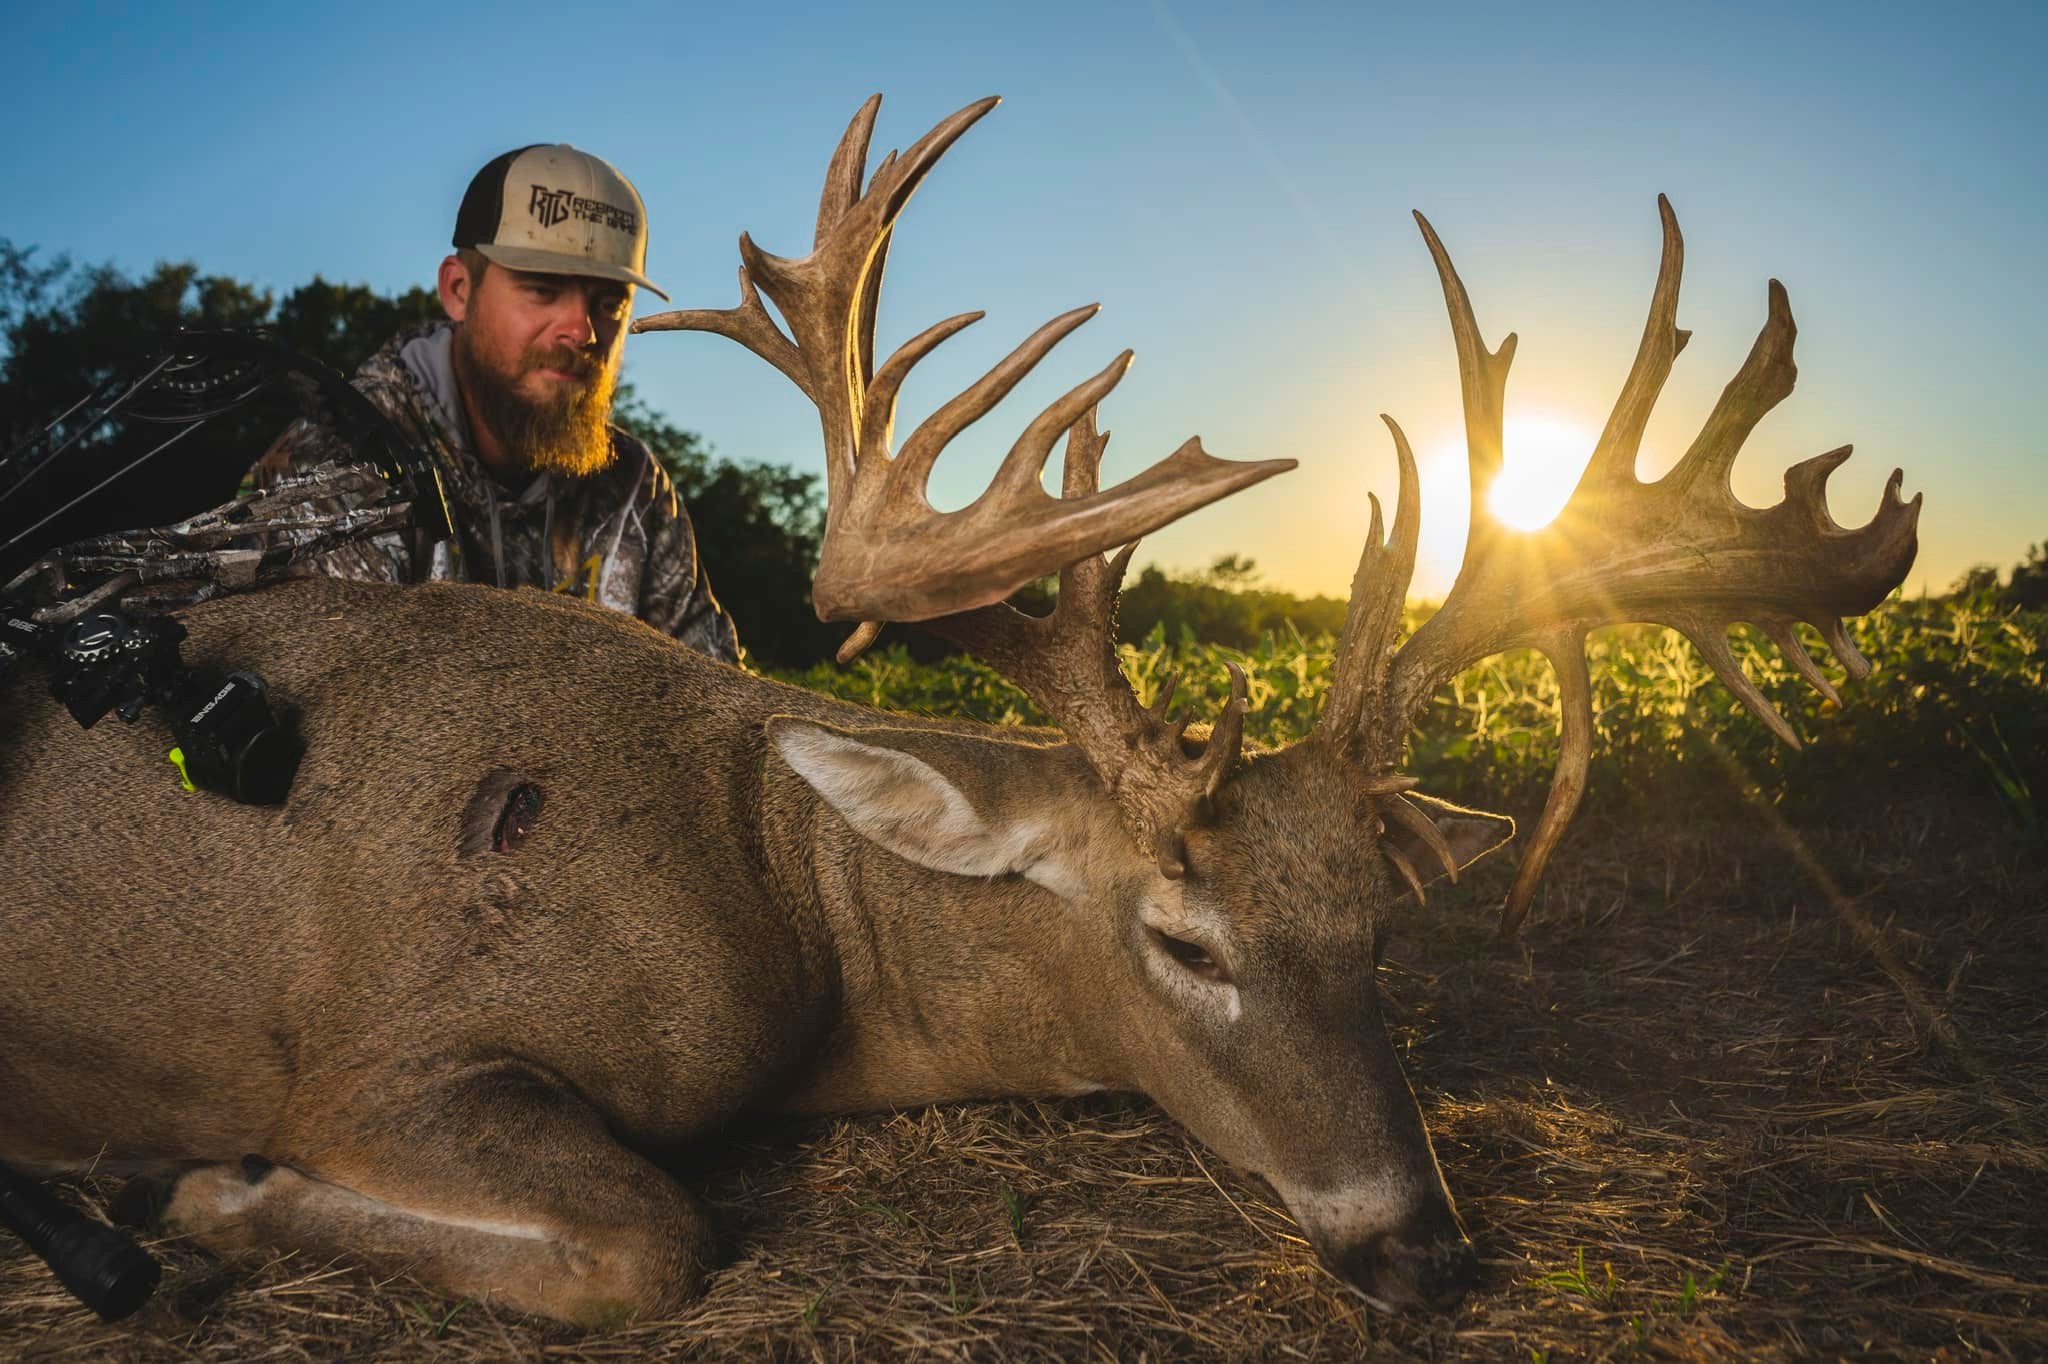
column 498, row 1185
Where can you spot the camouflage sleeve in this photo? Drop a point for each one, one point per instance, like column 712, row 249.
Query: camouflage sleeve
column 303, row 447
column 675, row 594
column 297, row 449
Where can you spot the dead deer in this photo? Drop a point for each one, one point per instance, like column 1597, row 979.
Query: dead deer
column 554, row 895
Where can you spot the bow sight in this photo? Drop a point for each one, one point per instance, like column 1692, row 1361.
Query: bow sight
column 229, row 740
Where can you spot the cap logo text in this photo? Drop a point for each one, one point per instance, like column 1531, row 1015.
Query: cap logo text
column 551, row 206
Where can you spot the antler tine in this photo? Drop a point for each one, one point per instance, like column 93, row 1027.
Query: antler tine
column 1372, row 621
column 838, row 198
column 1682, row 551
column 1226, row 737
column 748, row 324
column 1853, row 663
column 1567, row 655
column 843, row 175
column 1163, row 702
column 1407, row 870
column 887, row 555
column 912, row 468
column 1786, row 638
column 1482, row 379
column 1614, row 457
column 1712, row 642
column 1404, row 812
column 1764, row 381
column 1024, row 465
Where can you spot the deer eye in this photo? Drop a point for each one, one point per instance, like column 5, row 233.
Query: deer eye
column 1191, row 955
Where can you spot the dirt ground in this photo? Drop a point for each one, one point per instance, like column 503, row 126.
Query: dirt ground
column 1746, row 1092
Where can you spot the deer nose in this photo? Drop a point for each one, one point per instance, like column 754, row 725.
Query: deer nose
column 1426, row 1262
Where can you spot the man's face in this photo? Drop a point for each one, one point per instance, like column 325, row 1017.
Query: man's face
column 538, row 358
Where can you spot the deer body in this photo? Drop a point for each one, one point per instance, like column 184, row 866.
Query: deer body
column 687, row 933
column 675, row 875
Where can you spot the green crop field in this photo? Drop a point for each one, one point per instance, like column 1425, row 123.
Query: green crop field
column 1957, row 697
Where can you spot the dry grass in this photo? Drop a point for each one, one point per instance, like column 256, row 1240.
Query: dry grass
column 1748, row 1093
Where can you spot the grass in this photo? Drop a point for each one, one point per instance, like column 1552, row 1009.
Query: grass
column 1763, row 1080
column 438, row 1316
column 1013, row 1203
column 1599, row 1289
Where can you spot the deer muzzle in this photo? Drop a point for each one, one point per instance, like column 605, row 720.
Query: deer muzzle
column 1396, row 1248
column 1425, row 1262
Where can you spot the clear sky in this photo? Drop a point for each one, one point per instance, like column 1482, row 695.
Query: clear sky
column 1233, row 184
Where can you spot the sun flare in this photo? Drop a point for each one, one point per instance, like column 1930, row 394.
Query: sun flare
column 1543, row 461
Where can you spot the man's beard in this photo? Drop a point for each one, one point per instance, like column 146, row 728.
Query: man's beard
column 567, row 431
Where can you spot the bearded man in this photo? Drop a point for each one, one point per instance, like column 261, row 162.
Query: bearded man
column 511, row 397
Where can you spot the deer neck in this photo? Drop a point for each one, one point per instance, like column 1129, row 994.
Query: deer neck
column 950, row 987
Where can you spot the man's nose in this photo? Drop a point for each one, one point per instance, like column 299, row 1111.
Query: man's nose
column 574, row 323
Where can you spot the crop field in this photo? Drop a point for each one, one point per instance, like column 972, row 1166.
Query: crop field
column 1765, row 1076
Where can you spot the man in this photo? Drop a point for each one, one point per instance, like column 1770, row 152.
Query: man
column 511, row 398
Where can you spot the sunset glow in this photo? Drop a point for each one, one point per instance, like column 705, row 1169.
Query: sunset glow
column 1544, row 459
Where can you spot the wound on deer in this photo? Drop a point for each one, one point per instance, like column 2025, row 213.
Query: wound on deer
column 515, row 820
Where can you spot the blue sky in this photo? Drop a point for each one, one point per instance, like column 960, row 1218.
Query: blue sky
column 1233, row 184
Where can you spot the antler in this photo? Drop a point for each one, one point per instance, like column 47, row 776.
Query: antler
column 1067, row 663
column 888, row 555
column 1681, row 552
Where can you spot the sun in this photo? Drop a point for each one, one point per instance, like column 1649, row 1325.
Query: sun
column 1543, row 460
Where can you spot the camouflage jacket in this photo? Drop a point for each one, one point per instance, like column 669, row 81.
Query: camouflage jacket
column 620, row 537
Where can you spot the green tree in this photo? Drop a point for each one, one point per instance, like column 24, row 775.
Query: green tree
column 1221, row 605
column 2028, row 588
column 345, row 324
column 759, row 528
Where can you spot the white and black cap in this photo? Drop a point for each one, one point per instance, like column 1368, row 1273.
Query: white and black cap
column 556, row 210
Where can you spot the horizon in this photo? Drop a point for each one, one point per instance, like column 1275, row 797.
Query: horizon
column 1233, row 188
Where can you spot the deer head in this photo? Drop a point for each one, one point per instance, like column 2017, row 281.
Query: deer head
column 1221, row 909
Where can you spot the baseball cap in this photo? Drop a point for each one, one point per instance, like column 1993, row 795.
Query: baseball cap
column 559, row 211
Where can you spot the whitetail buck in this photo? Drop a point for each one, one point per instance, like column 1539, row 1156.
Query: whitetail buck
column 553, row 894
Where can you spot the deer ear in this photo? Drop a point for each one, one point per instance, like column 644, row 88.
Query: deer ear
column 951, row 802
column 1467, row 835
